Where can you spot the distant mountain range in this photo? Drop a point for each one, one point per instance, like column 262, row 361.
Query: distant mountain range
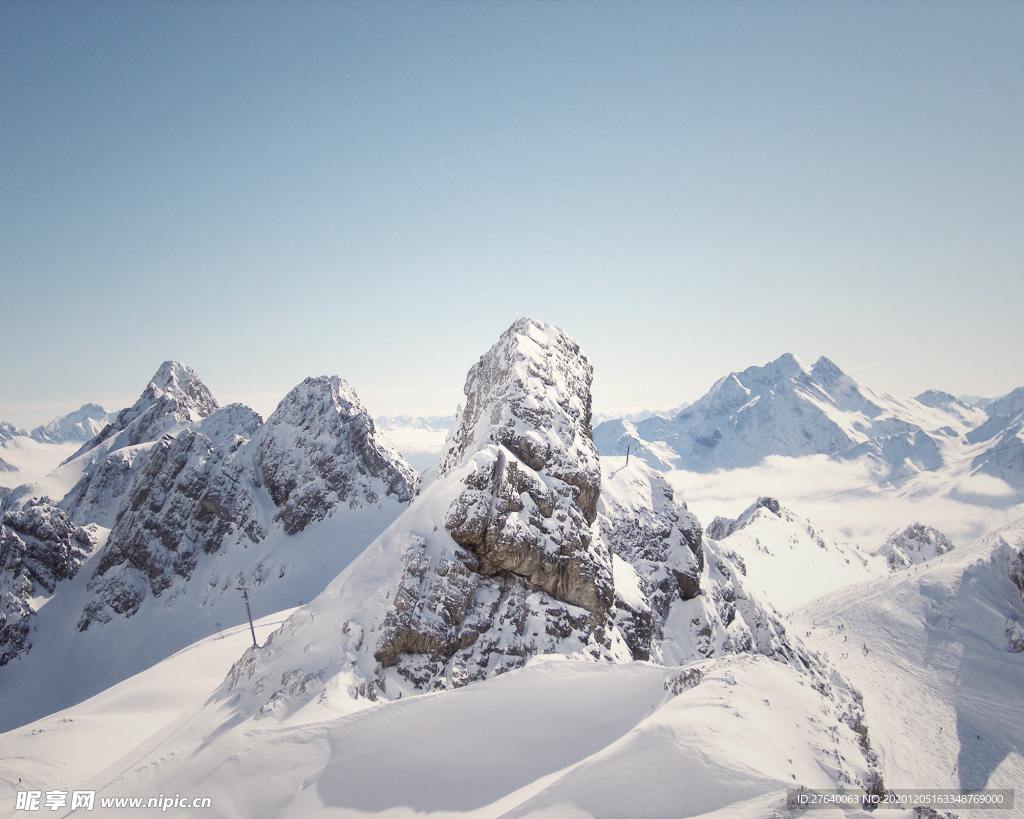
column 791, row 409
column 80, row 425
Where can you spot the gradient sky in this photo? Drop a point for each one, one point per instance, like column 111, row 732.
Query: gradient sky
column 270, row 191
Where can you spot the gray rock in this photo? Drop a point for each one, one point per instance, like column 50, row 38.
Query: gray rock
column 320, row 449
column 39, row 548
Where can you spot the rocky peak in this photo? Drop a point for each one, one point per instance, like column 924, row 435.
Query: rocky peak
column 497, row 560
column 914, row 544
column 938, row 399
column 39, row 547
column 720, row 528
column 174, row 397
column 320, row 448
column 1009, row 405
column 530, row 393
column 181, row 384
column 8, row 431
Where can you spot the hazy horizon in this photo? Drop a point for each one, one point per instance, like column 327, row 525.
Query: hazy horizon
column 265, row 402
column 271, row 191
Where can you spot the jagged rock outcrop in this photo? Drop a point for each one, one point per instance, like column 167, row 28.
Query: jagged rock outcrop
column 6, row 467
column 174, row 397
column 187, row 497
column 914, row 544
column 9, row 431
column 39, row 548
column 497, row 560
column 661, row 547
column 196, row 491
column 1016, row 571
column 320, row 449
column 523, row 516
column 720, row 528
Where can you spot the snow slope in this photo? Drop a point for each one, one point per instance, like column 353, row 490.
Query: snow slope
column 932, row 649
column 556, row 738
column 74, row 747
column 787, row 559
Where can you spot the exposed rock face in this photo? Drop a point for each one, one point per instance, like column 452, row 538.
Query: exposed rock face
column 1016, row 571
column 498, row 559
column 173, row 400
column 6, row 467
column 98, row 495
column 730, row 619
column 174, row 396
column 39, row 547
column 320, row 449
column 914, row 544
column 530, row 393
column 187, row 497
column 661, row 543
column 720, row 528
column 194, row 492
column 523, row 516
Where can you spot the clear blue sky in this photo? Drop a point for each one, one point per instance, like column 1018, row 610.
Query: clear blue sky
column 268, row 191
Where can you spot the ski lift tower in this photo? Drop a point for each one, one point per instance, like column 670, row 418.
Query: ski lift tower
column 248, row 611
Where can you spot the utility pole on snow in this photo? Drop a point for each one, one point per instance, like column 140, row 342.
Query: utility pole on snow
column 248, row 612
column 627, row 454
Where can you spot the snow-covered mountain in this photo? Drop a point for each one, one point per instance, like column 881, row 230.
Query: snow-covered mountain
column 218, row 499
column 9, row 431
column 519, row 547
column 787, row 408
column 174, row 397
column 524, row 543
column 387, row 423
column 1001, row 438
column 938, row 654
column 555, row 620
column 81, row 425
column 787, row 558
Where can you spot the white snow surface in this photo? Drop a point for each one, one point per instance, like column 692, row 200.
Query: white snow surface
column 556, row 738
column 931, row 649
column 790, row 562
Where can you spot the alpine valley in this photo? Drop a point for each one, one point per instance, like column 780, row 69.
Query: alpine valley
column 794, row 580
